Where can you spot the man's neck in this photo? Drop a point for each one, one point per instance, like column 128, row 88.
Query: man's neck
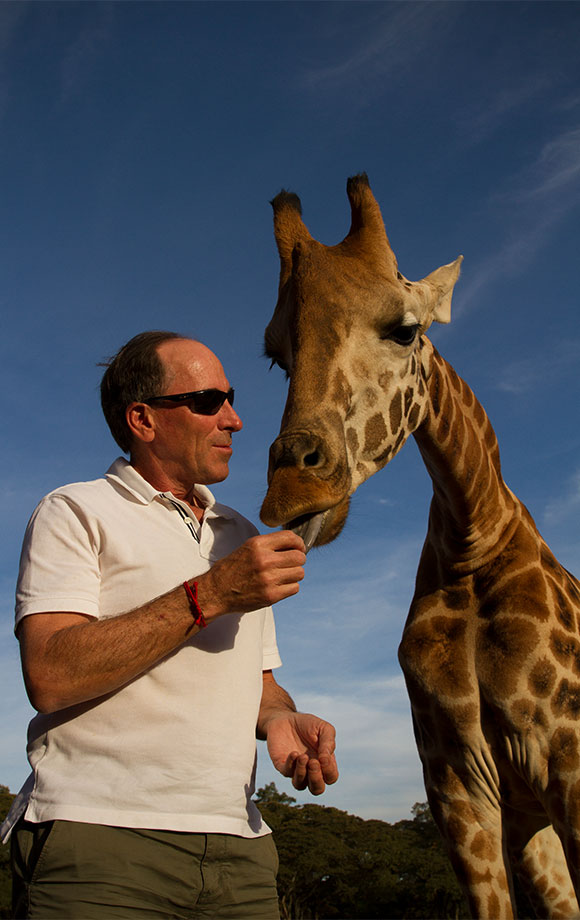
column 163, row 482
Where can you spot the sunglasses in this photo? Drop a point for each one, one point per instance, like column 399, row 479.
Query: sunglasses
column 202, row 402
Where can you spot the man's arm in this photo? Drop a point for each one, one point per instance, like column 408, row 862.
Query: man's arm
column 301, row 746
column 69, row 658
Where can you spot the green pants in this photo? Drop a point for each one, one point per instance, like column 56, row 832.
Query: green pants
column 63, row 870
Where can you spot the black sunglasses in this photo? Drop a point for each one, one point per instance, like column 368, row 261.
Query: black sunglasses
column 202, row 402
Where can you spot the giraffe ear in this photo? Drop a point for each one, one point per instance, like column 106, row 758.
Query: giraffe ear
column 441, row 283
column 289, row 229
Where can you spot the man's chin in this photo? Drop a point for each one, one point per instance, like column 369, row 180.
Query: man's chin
column 216, row 475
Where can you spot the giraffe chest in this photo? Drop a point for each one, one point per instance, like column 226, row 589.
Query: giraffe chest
column 492, row 666
column 437, row 648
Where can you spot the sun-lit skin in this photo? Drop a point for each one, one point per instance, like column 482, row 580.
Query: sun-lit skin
column 184, row 448
column 70, row 658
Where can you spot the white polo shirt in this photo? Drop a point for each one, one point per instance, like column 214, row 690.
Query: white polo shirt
column 174, row 749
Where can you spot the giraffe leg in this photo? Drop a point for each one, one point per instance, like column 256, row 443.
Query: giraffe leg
column 476, row 851
column 538, row 862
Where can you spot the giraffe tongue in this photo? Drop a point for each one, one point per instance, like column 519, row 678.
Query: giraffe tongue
column 308, row 527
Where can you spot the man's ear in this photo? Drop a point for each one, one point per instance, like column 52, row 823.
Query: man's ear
column 140, row 421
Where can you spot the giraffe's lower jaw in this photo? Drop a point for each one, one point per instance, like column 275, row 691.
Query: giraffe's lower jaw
column 308, row 526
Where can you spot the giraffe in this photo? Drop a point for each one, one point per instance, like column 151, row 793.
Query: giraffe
column 490, row 650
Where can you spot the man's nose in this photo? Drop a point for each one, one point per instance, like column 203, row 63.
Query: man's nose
column 230, row 418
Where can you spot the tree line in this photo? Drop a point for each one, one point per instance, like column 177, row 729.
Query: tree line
column 336, row 865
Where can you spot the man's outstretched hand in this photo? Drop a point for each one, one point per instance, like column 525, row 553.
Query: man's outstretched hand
column 301, row 746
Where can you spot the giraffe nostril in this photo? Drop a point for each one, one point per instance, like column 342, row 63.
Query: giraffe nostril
column 312, row 459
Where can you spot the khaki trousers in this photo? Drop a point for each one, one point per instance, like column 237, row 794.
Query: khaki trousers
column 63, row 870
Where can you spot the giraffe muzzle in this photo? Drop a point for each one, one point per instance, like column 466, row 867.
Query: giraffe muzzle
column 300, row 449
column 308, row 527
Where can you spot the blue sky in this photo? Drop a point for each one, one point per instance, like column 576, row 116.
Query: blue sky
column 140, row 144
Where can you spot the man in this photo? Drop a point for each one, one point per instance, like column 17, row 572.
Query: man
column 143, row 751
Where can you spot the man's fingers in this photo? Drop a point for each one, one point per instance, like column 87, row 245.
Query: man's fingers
column 281, row 540
column 329, row 768
column 287, row 539
column 300, row 772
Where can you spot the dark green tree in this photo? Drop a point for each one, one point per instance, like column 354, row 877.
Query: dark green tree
column 6, row 799
column 336, row 865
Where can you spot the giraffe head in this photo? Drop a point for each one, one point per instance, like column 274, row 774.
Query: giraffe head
column 347, row 329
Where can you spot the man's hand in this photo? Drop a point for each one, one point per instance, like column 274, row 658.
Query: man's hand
column 301, row 746
column 261, row 572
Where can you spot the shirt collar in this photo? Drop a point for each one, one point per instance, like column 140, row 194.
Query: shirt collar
column 122, row 474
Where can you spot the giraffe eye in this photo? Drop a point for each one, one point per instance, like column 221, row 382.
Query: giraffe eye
column 404, row 335
column 276, row 363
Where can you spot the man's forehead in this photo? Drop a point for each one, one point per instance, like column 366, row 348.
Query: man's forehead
column 188, row 356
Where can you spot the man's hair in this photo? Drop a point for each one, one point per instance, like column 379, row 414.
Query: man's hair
column 134, row 374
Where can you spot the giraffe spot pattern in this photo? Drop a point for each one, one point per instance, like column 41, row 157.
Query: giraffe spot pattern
column 445, row 417
column 465, row 716
column 414, row 417
column 505, row 644
column 400, row 441
column 457, row 598
column 467, row 396
column 478, row 414
column 457, row 830
column 396, row 412
column 549, row 561
column 524, row 593
column 493, row 905
column 375, row 433
column 440, row 645
column 566, row 700
column 542, row 678
column 352, row 441
column 542, row 884
column 454, row 379
column 563, row 609
column 574, row 803
column 371, row 398
column 444, row 657
column 382, row 458
column 566, row 650
column 564, row 754
column 482, row 846
column 341, row 390
column 528, row 715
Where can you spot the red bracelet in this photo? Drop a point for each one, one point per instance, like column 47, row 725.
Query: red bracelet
column 198, row 617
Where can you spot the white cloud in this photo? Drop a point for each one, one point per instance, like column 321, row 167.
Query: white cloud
column 380, row 772
column 566, row 505
column 338, row 642
column 547, row 366
column 16, row 710
column 530, row 205
column 85, row 52
column 480, row 124
column 555, row 170
column 395, row 36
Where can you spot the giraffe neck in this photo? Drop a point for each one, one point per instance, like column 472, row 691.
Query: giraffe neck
column 473, row 512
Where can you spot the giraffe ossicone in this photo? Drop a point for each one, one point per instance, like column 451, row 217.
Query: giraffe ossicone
column 491, row 646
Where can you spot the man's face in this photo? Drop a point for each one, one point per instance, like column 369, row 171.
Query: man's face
column 188, row 446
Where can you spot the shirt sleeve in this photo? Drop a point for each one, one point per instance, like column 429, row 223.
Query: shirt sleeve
column 271, row 656
column 59, row 564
